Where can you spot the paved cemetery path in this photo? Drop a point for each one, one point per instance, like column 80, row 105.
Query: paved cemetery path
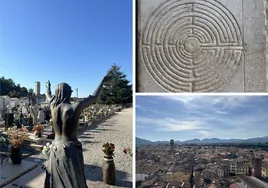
column 118, row 130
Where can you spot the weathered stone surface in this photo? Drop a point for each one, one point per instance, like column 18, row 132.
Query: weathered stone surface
column 201, row 46
column 34, row 178
column 10, row 172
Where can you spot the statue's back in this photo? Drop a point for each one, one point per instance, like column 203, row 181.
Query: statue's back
column 65, row 120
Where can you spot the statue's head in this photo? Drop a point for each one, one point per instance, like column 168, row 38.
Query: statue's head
column 63, row 94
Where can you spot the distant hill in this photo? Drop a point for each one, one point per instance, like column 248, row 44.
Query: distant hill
column 264, row 139
column 257, row 140
column 212, row 141
column 140, row 142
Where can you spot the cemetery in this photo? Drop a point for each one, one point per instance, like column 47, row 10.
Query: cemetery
column 37, row 143
column 26, row 132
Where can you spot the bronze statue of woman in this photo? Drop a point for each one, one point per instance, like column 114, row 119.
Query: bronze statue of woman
column 65, row 164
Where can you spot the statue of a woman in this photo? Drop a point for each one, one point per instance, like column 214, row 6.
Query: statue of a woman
column 65, row 164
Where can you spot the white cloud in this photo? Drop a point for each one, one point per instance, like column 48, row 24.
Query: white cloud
column 184, row 99
column 170, row 124
column 208, row 117
column 144, row 109
column 225, row 102
column 205, row 134
column 221, row 112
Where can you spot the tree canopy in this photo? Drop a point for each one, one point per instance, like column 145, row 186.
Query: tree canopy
column 8, row 87
column 117, row 90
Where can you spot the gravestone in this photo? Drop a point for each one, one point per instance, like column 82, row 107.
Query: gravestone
column 12, row 172
column 1, row 113
column 35, row 110
column 201, row 46
column 9, row 119
column 41, row 116
column 21, row 121
column 30, row 179
column 9, row 109
column 24, row 110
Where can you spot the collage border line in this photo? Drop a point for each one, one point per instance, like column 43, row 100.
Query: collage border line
column 134, row 75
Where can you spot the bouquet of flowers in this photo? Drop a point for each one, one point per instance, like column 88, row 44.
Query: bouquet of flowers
column 128, row 151
column 17, row 136
column 46, row 149
column 108, row 149
column 38, row 128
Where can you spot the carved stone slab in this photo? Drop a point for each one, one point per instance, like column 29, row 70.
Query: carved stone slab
column 201, row 46
column 10, row 172
column 34, row 178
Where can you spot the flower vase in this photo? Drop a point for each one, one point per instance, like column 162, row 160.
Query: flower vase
column 108, row 170
column 38, row 134
column 16, row 155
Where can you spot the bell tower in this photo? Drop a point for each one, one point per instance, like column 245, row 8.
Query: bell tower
column 171, row 145
column 256, row 165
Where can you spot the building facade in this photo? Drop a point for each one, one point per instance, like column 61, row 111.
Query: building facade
column 220, row 172
column 256, row 166
column 37, row 88
column 171, row 145
column 24, row 101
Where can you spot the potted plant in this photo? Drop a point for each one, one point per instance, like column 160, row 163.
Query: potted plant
column 16, row 138
column 38, row 128
column 108, row 167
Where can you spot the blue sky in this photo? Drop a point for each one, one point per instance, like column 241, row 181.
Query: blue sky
column 189, row 117
column 65, row 41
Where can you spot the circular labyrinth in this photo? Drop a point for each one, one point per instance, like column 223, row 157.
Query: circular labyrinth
column 191, row 45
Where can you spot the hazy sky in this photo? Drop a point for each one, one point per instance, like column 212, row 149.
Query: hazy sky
column 183, row 117
column 64, row 41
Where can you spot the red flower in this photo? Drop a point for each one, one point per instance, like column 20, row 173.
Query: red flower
column 125, row 151
column 108, row 148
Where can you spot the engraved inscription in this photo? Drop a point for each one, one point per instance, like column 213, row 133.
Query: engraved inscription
column 191, row 45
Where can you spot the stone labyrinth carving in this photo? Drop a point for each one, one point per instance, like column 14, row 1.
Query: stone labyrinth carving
column 191, row 45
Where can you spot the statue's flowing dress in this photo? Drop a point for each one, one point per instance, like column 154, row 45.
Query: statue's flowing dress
column 65, row 165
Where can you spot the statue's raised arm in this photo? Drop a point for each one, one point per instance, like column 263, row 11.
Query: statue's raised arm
column 91, row 98
column 48, row 92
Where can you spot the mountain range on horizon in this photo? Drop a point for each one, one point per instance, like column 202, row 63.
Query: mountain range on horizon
column 140, row 141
